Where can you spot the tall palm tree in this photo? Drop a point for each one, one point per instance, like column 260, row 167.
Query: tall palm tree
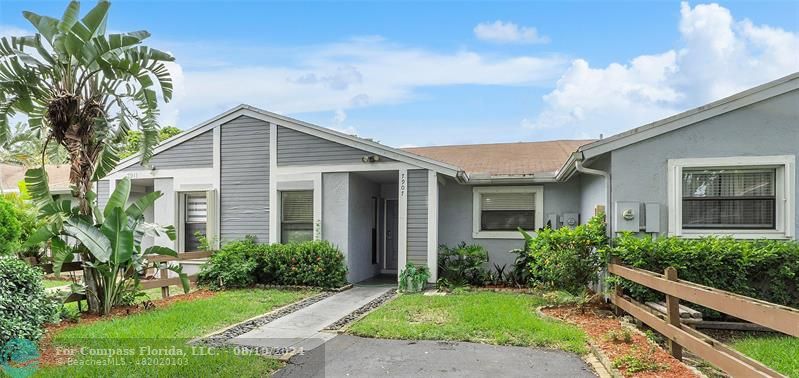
column 24, row 147
column 84, row 89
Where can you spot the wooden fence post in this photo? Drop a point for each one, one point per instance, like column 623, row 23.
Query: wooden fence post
column 164, row 275
column 618, row 291
column 673, row 313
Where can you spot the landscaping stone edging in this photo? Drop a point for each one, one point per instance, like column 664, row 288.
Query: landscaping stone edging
column 603, row 360
column 221, row 337
column 342, row 324
column 301, row 287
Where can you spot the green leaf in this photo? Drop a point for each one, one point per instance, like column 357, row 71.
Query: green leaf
column 159, row 250
column 96, row 19
column 41, row 235
column 46, row 26
column 70, row 16
column 119, row 198
column 136, row 209
column 38, row 187
column 106, row 162
column 184, row 280
column 116, row 229
column 61, row 254
column 90, row 236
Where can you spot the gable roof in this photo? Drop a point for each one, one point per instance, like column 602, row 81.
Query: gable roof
column 691, row 117
column 11, row 175
column 305, row 127
column 504, row 159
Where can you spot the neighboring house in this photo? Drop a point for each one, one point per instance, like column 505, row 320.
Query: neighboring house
column 726, row 168
column 58, row 177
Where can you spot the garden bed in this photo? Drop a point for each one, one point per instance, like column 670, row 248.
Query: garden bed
column 628, row 352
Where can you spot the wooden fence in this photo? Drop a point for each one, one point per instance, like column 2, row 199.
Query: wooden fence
column 779, row 318
column 164, row 282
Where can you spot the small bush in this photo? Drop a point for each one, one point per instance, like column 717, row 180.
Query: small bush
column 246, row 263
column 413, row 278
column 462, row 264
column 763, row 269
column 566, row 258
column 26, row 214
column 24, row 305
column 10, row 228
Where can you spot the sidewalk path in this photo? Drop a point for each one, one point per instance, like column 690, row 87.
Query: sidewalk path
column 303, row 328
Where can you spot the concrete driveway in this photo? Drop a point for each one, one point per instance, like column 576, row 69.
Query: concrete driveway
column 362, row 357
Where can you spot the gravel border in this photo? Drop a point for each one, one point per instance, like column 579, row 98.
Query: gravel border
column 341, row 324
column 222, row 337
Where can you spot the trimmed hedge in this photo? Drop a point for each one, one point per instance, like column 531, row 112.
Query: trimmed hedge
column 24, row 304
column 10, row 228
column 246, row 263
column 763, row 269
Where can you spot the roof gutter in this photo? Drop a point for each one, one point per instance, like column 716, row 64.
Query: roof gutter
column 578, row 165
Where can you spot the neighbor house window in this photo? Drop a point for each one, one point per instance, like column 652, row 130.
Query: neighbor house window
column 196, row 218
column 500, row 211
column 747, row 197
column 296, row 222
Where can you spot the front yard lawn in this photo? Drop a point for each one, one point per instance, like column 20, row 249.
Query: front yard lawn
column 482, row 317
column 780, row 353
column 48, row 283
column 157, row 339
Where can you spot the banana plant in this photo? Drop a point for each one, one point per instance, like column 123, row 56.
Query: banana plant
column 112, row 237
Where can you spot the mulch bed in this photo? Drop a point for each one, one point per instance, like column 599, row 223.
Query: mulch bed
column 49, row 356
column 598, row 323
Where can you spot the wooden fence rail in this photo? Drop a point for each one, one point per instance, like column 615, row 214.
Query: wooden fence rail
column 780, row 318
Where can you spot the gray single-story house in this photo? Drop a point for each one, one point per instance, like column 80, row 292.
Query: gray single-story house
column 726, row 168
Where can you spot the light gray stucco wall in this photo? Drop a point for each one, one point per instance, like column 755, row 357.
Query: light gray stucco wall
column 592, row 188
column 455, row 216
column 335, row 213
column 361, row 219
column 297, row 148
column 770, row 127
column 244, row 174
column 197, row 152
column 417, row 217
column 164, row 208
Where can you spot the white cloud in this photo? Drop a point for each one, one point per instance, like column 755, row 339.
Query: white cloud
column 340, row 76
column 718, row 56
column 507, row 32
column 13, row 31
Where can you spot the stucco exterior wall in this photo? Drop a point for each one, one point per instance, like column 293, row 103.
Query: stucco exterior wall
column 592, row 188
column 455, row 216
column 769, row 127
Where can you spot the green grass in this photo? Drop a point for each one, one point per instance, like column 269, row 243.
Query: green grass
column 48, row 283
column 780, row 353
column 168, row 329
column 483, row 317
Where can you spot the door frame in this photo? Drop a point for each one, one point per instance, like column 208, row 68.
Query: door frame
column 383, row 268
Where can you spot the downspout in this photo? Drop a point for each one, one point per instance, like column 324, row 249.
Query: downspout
column 578, row 165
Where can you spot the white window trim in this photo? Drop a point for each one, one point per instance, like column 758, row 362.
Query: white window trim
column 785, row 194
column 476, row 208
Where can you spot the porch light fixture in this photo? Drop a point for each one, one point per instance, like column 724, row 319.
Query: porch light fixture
column 370, row 159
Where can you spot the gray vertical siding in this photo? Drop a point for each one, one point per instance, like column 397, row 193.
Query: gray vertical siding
column 103, row 192
column 417, row 216
column 297, row 148
column 197, row 152
column 244, row 192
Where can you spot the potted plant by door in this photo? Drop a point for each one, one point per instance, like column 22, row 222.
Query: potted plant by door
column 413, row 278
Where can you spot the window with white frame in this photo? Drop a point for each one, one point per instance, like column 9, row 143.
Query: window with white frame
column 296, row 222
column 500, row 211
column 747, row 197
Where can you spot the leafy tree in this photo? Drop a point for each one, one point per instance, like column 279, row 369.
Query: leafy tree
column 133, row 144
column 10, row 228
column 24, row 147
column 84, row 90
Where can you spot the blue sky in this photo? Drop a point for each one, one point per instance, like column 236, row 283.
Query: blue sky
column 413, row 73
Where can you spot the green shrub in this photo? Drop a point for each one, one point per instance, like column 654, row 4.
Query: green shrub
column 462, row 264
column 10, row 228
column 24, row 305
column 28, row 222
column 245, row 263
column 566, row 259
column 413, row 278
column 763, row 269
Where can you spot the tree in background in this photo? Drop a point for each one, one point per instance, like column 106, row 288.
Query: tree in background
column 84, row 90
column 133, row 144
column 24, row 147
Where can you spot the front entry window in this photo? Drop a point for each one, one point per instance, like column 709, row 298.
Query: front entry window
column 196, row 218
column 296, row 223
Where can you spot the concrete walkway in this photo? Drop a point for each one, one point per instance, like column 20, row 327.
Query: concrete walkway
column 302, row 329
column 349, row 356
